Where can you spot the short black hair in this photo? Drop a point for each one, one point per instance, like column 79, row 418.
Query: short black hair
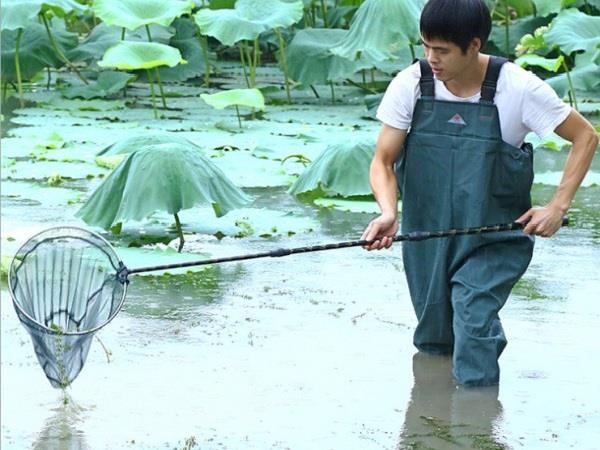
column 457, row 21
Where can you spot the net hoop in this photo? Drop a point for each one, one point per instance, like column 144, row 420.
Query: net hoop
column 34, row 322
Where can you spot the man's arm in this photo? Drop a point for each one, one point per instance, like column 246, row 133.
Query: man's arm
column 384, row 185
column 546, row 220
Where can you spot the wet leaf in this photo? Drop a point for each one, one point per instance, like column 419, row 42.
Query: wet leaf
column 140, row 55
column 251, row 98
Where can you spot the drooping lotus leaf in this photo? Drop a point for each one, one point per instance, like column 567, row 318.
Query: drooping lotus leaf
column 340, row 170
column 168, row 177
column 573, row 30
column 104, row 36
column 531, row 59
column 310, row 61
column 15, row 14
column 248, row 19
column 132, row 14
column 140, row 55
column 379, row 28
column 35, row 52
column 144, row 141
column 108, row 83
column 252, row 98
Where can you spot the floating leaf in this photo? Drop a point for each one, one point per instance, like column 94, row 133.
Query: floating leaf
column 140, row 55
column 248, row 19
column 167, row 177
column 132, row 14
column 341, row 169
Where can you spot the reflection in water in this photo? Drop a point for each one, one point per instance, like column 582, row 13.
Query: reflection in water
column 60, row 430
column 442, row 415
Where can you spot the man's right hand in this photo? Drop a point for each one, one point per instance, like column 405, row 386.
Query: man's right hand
column 383, row 229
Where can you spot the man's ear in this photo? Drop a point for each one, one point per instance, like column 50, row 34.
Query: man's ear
column 476, row 44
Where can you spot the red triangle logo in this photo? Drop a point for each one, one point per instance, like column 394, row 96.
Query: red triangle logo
column 457, row 119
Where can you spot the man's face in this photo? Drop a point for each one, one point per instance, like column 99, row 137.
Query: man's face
column 447, row 59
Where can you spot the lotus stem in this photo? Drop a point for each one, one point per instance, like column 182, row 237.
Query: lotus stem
column 284, row 64
column 251, row 67
column 160, row 87
column 18, row 67
column 152, row 92
column 59, row 52
column 364, row 86
column 123, row 33
column 256, row 53
column 506, row 29
column 107, row 352
column 148, row 33
column 49, row 78
column 314, row 91
column 179, row 232
column 237, row 111
column 324, row 12
column 4, row 91
column 373, row 78
column 364, row 78
column 244, row 66
column 332, row 92
column 571, row 87
column 204, row 46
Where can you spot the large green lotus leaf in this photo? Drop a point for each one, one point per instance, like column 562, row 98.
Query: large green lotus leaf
column 144, row 141
column 248, row 19
column 168, row 177
column 140, row 55
column 108, row 83
column 35, row 53
column 103, row 36
column 341, row 169
column 252, row 98
column 310, row 61
column 186, row 40
column 585, row 76
column 16, row 14
column 381, row 27
column 573, row 30
column 132, row 14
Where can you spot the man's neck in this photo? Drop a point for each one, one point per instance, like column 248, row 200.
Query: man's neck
column 468, row 82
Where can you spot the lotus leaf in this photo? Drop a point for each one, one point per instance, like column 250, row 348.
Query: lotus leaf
column 341, row 169
column 108, row 83
column 252, row 98
column 518, row 28
column 573, row 30
column 310, row 61
column 35, row 53
column 584, row 76
column 248, row 19
column 15, row 14
column 140, row 55
column 549, row 64
column 168, row 177
column 132, row 14
column 103, row 36
column 144, row 141
column 380, row 28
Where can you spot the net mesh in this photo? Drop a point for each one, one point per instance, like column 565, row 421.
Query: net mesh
column 65, row 286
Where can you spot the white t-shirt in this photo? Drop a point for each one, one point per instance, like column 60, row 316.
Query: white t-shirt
column 525, row 103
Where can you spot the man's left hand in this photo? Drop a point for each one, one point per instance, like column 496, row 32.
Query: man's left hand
column 542, row 221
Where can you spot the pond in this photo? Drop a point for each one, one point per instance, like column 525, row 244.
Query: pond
column 309, row 351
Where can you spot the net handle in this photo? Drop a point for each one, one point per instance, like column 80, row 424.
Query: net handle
column 413, row 236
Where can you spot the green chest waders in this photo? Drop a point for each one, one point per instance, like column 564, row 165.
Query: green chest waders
column 456, row 171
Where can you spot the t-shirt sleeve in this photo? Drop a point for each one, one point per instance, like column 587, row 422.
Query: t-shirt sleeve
column 542, row 109
column 396, row 107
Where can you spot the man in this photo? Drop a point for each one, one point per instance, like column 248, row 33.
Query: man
column 453, row 130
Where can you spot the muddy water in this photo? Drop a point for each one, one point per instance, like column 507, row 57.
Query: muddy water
column 310, row 351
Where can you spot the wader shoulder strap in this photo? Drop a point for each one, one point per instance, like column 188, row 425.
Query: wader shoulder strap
column 426, row 82
column 488, row 88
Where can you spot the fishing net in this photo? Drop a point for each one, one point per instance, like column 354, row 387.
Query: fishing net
column 65, row 286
